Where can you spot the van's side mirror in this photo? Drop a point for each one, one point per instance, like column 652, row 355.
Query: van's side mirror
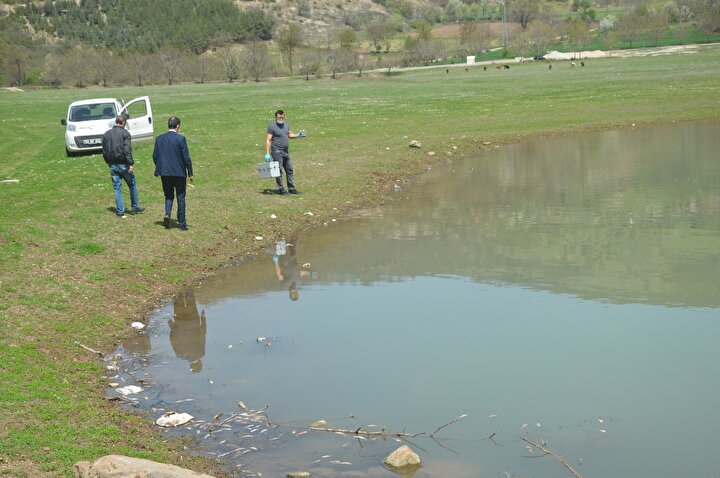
column 63, row 122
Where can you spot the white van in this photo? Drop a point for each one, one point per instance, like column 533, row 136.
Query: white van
column 87, row 121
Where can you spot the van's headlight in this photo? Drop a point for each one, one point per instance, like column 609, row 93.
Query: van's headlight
column 71, row 127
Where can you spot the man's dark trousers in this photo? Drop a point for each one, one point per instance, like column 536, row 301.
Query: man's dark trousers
column 283, row 157
column 173, row 185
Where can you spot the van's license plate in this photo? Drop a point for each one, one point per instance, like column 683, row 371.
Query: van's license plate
column 93, row 141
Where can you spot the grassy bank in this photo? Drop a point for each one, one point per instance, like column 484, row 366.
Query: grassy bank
column 71, row 271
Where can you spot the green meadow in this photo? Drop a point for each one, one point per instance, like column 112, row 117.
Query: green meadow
column 71, row 272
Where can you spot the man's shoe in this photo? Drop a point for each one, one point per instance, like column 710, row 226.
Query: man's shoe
column 166, row 222
column 283, row 192
column 294, row 191
column 122, row 216
column 184, row 228
column 138, row 210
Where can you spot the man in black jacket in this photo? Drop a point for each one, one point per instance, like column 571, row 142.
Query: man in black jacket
column 117, row 152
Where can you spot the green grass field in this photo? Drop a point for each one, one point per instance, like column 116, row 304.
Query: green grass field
column 71, row 271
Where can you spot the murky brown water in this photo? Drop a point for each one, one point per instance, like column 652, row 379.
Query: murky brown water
column 565, row 291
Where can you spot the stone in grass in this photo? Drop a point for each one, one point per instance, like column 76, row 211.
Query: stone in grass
column 403, row 460
column 415, row 144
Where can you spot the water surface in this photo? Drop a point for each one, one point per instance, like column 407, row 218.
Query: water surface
column 565, row 291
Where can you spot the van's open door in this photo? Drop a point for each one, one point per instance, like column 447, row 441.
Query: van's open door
column 140, row 119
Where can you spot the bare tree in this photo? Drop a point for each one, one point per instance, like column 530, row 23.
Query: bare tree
column 378, row 31
column 256, row 59
column 522, row 42
column 202, row 66
column 139, row 63
column 290, row 39
column 310, row 61
column 628, row 27
column 230, row 59
column 339, row 60
column 542, row 35
column 52, row 70
column 104, row 61
column 523, row 11
column 170, row 60
column 657, row 26
column 78, row 64
column 578, row 34
column 475, row 36
column 709, row 17
column 17, row 60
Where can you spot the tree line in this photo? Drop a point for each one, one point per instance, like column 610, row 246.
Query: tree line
column 137, row 42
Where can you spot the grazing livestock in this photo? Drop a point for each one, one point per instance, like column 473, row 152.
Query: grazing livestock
column 497, row 67
column 582, row 63
column 447, row 70
column 484, row 68
column 572, row 64
column 507, row 67
column 550, row 66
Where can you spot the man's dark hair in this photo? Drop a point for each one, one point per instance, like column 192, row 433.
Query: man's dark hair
column 279, row 112
column 173, row 122
column 120, row 119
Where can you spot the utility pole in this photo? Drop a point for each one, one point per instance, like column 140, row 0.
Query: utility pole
column 504, row 25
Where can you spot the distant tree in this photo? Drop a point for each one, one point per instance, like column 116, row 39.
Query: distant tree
column 139, row 63
column 16, row 62
column 424, row 30
column 255, row 58
column 378, row 30
column 578, row 34
column 708, row 17
column 522, row 42
column 170, row 61
column 202, row 66
column 581, row 6
column 542, row 35
column 78, row 65
column 339, row 60
column 523, row 11
column 628, row 28
column 52, row 70
column 230, row 59
column 681, row 32
column 347, row 37
column 475, row 36
column 310, row 61
column 657, row 26
column 104, row 61
column 291, row 38
column 454, row 10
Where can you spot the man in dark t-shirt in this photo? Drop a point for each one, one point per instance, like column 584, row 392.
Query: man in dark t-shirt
column 276, row 149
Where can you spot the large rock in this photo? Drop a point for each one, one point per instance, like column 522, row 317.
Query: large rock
column 118, row 466
column 403, row 459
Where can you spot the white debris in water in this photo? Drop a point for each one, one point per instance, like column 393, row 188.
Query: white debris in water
column 129, row 390
column 173, row 419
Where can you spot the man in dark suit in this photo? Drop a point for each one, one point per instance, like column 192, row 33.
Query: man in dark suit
column 173, row 165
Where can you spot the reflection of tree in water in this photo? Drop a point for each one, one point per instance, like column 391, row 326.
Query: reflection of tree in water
column 187, row 330
column 286, row 266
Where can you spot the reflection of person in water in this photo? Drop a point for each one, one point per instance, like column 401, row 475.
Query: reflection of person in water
column 187, row 330
column 286, row 266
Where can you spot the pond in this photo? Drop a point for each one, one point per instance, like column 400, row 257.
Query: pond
column 565, row 291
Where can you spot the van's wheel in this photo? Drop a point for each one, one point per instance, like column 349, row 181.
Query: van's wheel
column 70, row 154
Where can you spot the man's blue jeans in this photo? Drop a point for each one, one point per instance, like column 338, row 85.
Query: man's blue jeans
column 120, row 173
